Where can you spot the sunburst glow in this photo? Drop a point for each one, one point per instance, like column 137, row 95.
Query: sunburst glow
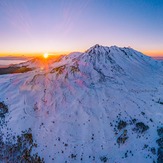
column 46, row 55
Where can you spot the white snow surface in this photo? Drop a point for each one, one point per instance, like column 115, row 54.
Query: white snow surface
column 79, row 101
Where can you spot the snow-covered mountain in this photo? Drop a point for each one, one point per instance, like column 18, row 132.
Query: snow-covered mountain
column 103, row 105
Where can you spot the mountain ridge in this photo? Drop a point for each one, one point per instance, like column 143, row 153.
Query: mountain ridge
column 96, row 106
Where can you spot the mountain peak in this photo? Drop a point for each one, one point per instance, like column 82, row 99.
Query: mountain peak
column 94, row 48
column 100, row 48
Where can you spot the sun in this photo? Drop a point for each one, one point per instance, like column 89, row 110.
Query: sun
column 46, row 55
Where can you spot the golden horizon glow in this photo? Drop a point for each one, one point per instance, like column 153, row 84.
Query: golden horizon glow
column 32, row 54
column 153, row 53
column 37, row 54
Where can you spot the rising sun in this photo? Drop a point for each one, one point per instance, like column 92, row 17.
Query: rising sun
column 46, row 55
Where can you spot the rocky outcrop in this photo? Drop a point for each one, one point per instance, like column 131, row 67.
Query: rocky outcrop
column 160, row 144
column 3, row 109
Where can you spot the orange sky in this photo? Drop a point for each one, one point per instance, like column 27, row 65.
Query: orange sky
column 153, row 53
column 31, row 54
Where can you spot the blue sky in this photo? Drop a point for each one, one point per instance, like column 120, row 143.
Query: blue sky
column 29, row 26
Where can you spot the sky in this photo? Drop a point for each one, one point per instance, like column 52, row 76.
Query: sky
column 62, row 26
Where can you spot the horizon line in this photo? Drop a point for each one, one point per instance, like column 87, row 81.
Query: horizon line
column 32, row 54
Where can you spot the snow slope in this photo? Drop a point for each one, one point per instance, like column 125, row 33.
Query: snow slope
column 103, row 105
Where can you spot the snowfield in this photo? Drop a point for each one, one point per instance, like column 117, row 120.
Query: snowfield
column 103, row 105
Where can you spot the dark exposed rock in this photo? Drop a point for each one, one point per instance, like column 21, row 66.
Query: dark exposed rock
column 3, row 109
column 122, row 138
column 141, row 127
column 160, row 101
column 14, row 69
column 142, row 113
column 73, row 156
column 121, row 125
column 58, row 70
column 145, row 146
column 160, row 155
column 134, row 120
column 20, row 151
column 153, row 150
column 74, row 69
column 160, row 132
column 160, row 142
column 103, row 159
column 125, row 53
